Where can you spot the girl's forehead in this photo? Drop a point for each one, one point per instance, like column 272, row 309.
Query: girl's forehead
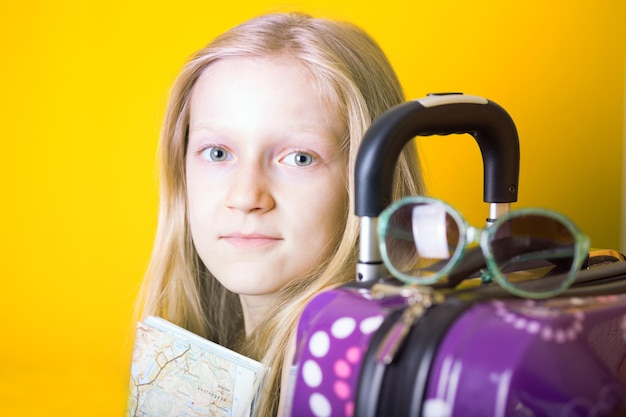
column 261, row 92
column 322, row 82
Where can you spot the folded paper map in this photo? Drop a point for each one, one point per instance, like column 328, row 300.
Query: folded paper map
column 177, row 373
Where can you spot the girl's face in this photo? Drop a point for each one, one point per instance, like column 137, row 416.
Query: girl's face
column 266, row 179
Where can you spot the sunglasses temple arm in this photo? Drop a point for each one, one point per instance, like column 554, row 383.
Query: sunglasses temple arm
column 370, row 265
column 496, row 210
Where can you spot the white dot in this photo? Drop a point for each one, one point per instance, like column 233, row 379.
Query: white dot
column 571, row 334
column 343, row 327
column 578, row 326
column 533, row 327
column 509, row 318
column 319, row 344
column 312, row 374
column 546, row 333
column 319, row 405
column 371, row 324
column 435, row 407
column 519, row 323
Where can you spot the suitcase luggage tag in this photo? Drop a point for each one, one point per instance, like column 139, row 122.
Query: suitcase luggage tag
column 350, row 355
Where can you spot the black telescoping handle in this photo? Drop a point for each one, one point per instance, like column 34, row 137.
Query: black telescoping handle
column 489, row 124
column 438, row 114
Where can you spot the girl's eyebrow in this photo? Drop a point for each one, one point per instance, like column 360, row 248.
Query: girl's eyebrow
column 200, row 126
column 202, row 131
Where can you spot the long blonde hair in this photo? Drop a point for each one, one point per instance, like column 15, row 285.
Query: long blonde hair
column 356, row 77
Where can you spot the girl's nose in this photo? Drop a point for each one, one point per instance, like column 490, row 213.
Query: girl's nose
column 250, row 190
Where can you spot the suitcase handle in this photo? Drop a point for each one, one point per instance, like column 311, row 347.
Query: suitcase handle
column 437, row 114
column 486, row 121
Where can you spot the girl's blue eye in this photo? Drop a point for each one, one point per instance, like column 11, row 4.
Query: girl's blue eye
column 215, row 154
column 300, row 159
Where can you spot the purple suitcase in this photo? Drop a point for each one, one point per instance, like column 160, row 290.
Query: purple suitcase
column 474, row 352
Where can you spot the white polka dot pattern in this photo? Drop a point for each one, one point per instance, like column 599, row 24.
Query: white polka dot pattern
column 333, row 363
column 529, row 318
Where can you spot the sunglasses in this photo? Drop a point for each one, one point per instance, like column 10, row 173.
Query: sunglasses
column 531, row 252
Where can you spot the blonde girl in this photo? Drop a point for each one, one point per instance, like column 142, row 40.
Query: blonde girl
column 256, row 170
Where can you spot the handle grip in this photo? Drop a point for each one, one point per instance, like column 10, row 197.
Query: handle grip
column 489, row 124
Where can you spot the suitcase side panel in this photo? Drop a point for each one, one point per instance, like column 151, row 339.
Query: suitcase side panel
column 531, row 358
column 333, row 338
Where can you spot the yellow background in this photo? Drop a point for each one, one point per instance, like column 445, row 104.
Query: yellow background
column 83, row 86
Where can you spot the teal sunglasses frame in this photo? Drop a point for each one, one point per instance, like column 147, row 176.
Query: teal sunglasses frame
column 483, row 236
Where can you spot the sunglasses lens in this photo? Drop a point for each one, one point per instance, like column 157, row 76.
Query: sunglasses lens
column 420, row 240
column 534, row 252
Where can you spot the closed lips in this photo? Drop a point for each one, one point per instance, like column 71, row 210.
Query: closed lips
column 250, row 240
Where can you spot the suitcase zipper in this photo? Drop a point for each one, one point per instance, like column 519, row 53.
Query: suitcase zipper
column 417, row 300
